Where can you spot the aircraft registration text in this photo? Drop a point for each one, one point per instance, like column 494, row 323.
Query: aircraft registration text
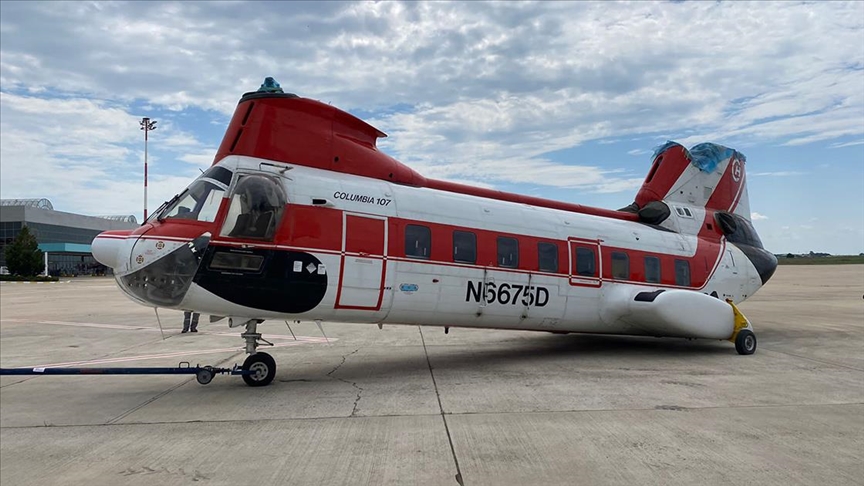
column 506, row 293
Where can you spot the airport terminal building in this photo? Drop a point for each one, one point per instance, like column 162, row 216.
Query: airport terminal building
column 65, row 237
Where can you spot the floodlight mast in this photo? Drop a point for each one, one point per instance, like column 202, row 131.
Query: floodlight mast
column 147, row 125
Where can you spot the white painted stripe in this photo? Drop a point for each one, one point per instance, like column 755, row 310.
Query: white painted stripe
column 123, row 327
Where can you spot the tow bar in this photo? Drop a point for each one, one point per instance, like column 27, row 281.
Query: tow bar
column 204, row 374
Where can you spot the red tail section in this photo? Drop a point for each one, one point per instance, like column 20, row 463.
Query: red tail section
column 708, row 175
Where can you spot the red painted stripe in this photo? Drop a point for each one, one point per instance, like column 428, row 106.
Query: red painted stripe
column 530, row 200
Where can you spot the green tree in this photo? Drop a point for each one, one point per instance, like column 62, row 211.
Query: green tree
column 23, row 256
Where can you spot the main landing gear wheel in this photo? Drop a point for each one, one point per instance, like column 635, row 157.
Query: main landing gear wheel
column 745, row 342
column 263, row 368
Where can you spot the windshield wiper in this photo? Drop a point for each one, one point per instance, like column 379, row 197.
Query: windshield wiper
column 166, row 204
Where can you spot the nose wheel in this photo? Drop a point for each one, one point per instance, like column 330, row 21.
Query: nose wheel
column 262, row 367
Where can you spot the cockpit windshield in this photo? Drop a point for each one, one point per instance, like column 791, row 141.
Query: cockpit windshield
column 201, row 200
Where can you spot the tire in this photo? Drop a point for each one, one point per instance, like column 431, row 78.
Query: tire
column 204, row 376
column 264, row 367
column 745, row 342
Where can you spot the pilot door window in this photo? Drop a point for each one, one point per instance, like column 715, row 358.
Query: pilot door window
column 257, row 204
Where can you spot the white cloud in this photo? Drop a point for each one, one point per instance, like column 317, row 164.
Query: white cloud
column 203, row 158
column 847, row 144
column 474, row 92
column 84, row 155
column 757, row 217
column 782, row 173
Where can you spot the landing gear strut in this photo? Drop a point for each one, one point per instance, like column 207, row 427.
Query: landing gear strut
column 261, row 365
column 743, row 336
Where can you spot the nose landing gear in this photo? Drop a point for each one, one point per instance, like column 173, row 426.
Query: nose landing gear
column 743, row 336
column 261, row 365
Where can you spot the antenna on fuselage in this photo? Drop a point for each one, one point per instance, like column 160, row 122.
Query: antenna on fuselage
column 156, row 310
column 321, row 328
column 291, row 330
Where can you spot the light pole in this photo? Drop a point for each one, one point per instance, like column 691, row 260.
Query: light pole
column 146, row 125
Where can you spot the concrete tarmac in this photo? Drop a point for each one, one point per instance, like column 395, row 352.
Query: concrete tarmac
column 405, row 405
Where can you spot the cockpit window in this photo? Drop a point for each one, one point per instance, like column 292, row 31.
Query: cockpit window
column 220, row 174
column 257, row 204
column 199, row 202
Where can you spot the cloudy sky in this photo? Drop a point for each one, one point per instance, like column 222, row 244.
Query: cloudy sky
column 561, row 100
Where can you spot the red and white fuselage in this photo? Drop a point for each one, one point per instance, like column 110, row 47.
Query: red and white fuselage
column 305, row 219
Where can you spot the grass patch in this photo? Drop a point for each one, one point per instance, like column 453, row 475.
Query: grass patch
column 18, row 278
column 829, row 260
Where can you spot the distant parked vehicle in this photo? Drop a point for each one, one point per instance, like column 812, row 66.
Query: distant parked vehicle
column 4, row 271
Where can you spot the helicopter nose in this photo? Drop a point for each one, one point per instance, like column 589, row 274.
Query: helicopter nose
column 106, row 247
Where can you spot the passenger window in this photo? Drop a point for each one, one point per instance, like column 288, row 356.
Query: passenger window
column 682, row 273
column 418, row 241
column 257, row 204
column 620, row 265
column 585, row 263
column 547, row 256
column 464, row 247
column 508, row 252
column 652, row 269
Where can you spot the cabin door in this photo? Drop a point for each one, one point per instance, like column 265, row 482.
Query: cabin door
column 364, row 262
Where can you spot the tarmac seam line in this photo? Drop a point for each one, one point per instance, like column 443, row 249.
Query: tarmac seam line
column 147, row 402
column 456, row 414
column 459, row 478
column 815, row 360
column 162, row 394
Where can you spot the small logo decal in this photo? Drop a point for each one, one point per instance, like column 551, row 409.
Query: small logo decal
column 139, row 259
column 409, row 288
column 311, row 268
column 160, row 245
column 736, row 170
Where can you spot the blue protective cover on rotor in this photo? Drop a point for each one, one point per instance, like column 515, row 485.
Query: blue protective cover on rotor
column 705, row 156
column 666, row 146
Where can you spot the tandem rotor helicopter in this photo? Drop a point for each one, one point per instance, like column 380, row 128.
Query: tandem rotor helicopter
column 302, row 217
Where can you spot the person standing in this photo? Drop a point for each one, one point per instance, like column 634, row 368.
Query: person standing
column 190, row 321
